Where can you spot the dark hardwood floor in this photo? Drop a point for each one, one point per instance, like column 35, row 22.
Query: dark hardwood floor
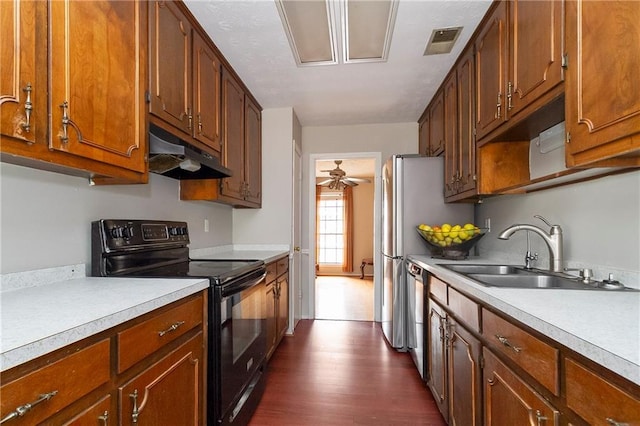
column 343, row 373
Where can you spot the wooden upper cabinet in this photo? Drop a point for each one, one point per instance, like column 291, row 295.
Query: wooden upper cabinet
column 466, row 123
column 603, row 87
column 233, row 137
column 423, row 134
column 253, row 151
column 206, row 94
column 18, row 88
column 170, row 65
column 536, row 45
column 97, row 108
column 436, row 125
column 491, row 71
column 451, row 169
column 518, row 62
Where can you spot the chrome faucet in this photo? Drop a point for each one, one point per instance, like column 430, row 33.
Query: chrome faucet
column 553, row 240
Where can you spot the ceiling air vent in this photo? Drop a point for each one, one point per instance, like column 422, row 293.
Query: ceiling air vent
column 442, row 40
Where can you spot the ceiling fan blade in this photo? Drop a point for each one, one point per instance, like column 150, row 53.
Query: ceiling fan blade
column 346, row 181
column 324, row 182
column 361, row 180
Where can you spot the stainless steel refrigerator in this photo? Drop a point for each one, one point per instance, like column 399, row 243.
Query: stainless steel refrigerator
column 413, row 193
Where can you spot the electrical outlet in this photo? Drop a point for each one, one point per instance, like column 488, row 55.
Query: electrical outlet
column 206, row 225
column 487, row 224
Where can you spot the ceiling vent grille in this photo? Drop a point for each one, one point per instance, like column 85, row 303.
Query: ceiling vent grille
column 442, row 40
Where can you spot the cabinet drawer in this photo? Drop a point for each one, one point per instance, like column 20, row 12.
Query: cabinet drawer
column 71, row 377
column 143, row 339
column 271, row 272
column 282, row 265
column 534, row 356
column 438, row 289
column 465, row 309
column 596, row 400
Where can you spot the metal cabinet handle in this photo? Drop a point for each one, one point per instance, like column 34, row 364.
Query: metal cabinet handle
column 540, row 418
column 499, row 106
column 171, row 328
column 104, row 419
column 190, row 117
column 615, row 423
column 65, row 122
column 508, row 344
column 199, row 123
column 134, row 411
column 509, row 96
column 24, row 409
column 28, row 107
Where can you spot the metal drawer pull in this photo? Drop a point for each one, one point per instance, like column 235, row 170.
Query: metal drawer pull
column 508, row 344
column 104, row 419
column 28, row 107
column 173, row 327
column 65, row 122
column 24, row 409
column 540, row 418
column 614, row 423
column 134, row 411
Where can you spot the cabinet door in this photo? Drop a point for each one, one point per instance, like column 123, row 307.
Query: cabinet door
column 167, row 393
column 452, row 154
column 465, row 381
column 233, row 136
column 423, row 135
column 536, row 36
column 96, row 99
column 466, row 123
column 508, row 400
column 283, row 305
column 206, row 94
column 436, row 355
column 436, row 128
column 18, row 88
column 253, row 147
column 491, row 57
column 270, row 312
column 602, row 84
column 170, row 65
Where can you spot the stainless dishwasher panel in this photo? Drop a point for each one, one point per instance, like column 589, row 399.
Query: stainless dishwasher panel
column 415, row 317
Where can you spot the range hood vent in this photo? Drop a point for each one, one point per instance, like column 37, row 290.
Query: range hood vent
column 170, row 156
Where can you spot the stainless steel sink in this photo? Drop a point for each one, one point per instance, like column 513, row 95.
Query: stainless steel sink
column 518, row 277
column 486, row 269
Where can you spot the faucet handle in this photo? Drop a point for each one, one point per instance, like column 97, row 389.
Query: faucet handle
column 586, row 274
column 543, row 219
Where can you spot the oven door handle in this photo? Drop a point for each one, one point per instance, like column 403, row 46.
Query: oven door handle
column 238, row 287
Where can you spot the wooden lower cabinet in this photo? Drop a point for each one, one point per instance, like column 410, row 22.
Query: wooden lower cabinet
column 437, row 357
column 168, row 391
column 277, row 302
column 81, row 384
column 509, row 400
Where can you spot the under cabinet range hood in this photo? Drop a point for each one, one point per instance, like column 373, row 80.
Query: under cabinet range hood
column 171, row 156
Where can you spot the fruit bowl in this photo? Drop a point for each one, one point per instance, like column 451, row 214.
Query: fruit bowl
column 451, row 244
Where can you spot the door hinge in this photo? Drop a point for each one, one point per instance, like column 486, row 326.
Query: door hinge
column 481, row 362
column 565, row 60
column 147, row 96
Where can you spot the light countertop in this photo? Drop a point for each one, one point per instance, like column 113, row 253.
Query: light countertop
column 602, row 326
column 38, row 319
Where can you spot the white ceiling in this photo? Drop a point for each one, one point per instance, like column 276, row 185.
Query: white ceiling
column 250, row 35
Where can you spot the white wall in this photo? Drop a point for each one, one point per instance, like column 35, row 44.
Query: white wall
column 46, row 217
column 600, row 220
column 272, row 223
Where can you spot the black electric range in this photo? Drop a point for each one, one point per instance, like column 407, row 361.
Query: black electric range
column 237, row 318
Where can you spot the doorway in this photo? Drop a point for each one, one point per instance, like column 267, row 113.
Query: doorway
column 345, row 228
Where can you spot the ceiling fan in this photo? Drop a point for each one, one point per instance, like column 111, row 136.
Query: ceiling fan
column 338, row 178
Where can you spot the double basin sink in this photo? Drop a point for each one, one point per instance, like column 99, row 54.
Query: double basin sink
column 518, row 277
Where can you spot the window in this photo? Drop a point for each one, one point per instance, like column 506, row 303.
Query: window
column 331, row 229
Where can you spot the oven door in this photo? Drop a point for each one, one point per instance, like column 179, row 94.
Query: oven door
column 242, row 345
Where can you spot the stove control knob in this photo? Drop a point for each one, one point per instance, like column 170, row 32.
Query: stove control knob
column 184, row 231
column 116, row 232
column 173, row 231
column 127, row 232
